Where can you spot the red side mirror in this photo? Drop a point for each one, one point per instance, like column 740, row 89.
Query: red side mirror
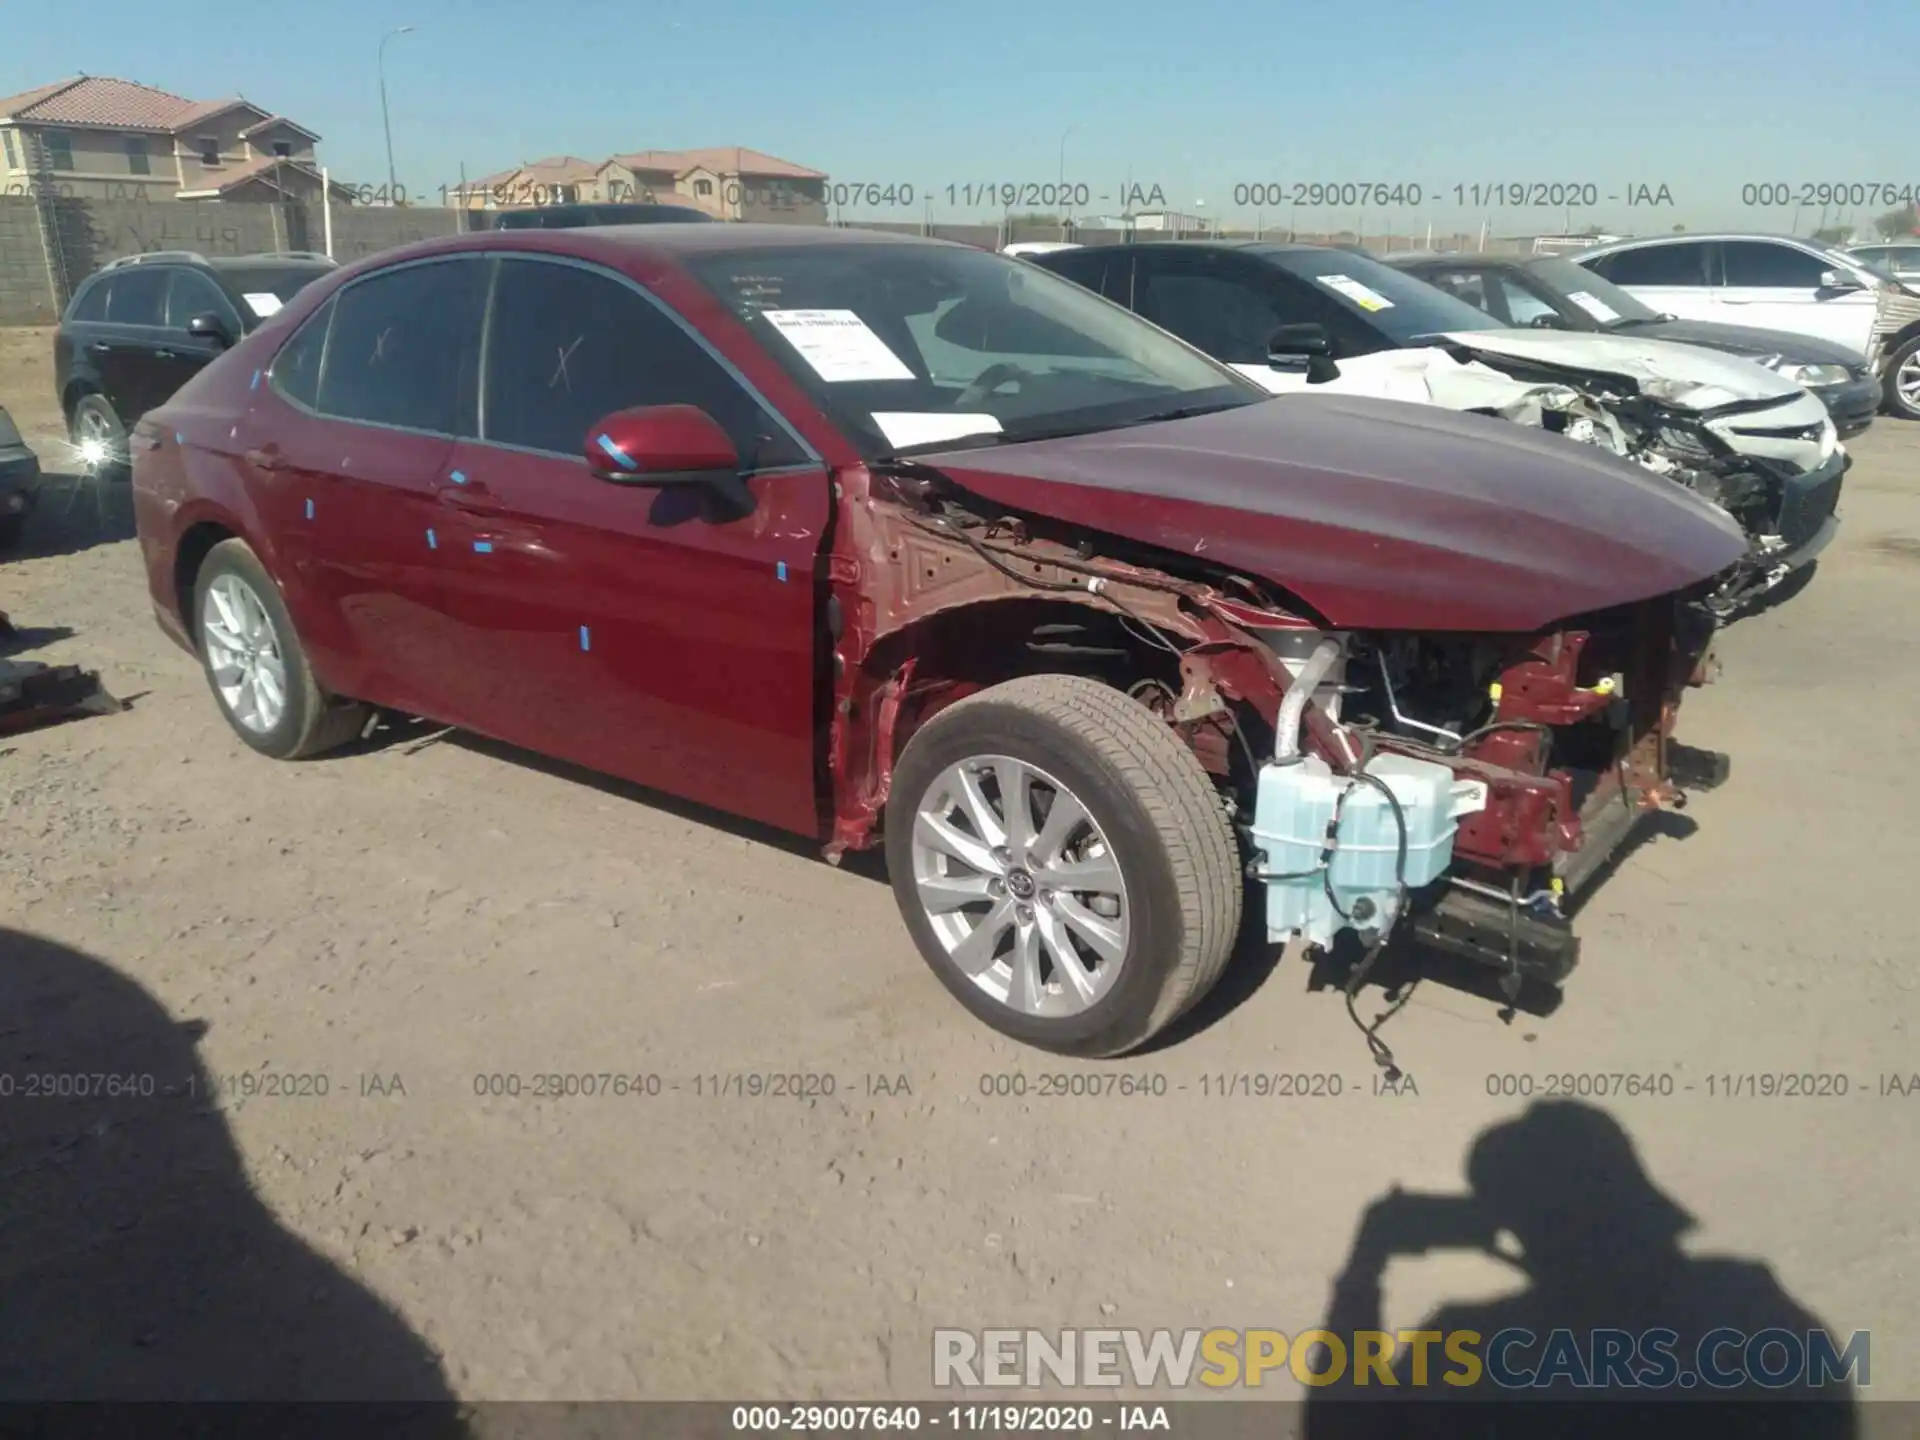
column 660, row 445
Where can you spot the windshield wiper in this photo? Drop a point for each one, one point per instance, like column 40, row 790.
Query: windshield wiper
column 1186, row 412
column 1627, row 322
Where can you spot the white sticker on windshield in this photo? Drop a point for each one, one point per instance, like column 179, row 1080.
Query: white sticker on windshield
column 263, row 303
column 1359, row 294
column 914, row 427
column 838, row 345
column 1598, row 309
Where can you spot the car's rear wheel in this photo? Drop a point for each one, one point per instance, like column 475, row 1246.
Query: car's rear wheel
column 1902, row 385
column 254, row 663
column 1064, row 864
column 99, row 437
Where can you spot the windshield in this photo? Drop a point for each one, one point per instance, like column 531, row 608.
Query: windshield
column 1613, row 307
column 1400, row 306
column 916, row 346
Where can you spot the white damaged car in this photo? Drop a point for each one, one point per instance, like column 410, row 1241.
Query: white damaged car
column 1304, row 317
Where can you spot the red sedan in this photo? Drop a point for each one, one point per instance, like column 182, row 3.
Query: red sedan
column 877, row 538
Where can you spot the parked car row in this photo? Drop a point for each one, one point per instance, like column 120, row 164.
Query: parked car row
column 891, row 542
column 1300, row 317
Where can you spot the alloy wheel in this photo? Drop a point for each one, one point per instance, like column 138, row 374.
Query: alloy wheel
column 1906, row 382
column 1020, row 886
column 243, row 654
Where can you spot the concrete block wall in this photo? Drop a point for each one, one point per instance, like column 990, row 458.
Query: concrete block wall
column 86, row 234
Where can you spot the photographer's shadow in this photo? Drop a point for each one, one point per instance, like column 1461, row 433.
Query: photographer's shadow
column 136, row 1263
column 1598, row 1247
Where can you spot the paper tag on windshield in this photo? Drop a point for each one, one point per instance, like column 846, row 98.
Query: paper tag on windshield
column 912, row 427
column 263, row 304
column 1598, row 309
column 838, row 345
column 1356, row 292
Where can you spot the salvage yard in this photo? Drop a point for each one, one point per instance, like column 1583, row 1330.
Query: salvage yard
column 419, row 930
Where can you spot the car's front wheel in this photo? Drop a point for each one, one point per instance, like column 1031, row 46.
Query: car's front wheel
column 1902, row 385
column 99, row 437
column 1064, row 864
column 254, row 663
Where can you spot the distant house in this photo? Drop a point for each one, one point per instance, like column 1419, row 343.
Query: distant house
column 99, row 138
column 729, row 183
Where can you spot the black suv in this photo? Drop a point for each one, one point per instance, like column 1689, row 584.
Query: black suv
column 573, row 217
column 139, row 329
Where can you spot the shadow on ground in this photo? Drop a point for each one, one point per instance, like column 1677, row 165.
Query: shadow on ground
column 1559, row 1194
column 136, row 1262
column 75, row 512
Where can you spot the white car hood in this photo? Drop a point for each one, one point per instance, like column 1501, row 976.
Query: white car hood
column 1688, row 377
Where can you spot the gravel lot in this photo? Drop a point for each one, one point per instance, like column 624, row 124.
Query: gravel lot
column 426, row 916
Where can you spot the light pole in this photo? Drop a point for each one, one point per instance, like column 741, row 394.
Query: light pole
column 386, row 123
column 1060, row 191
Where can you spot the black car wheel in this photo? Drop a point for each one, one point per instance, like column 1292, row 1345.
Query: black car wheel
column 1903, row 380
column 99, row 437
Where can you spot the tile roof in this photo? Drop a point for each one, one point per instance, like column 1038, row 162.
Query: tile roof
column 255, row 169
column 102, row 102
column 721, row 159
column 271, row 120
column 558, row 169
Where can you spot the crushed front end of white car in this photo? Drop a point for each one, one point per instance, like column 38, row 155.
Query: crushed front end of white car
column 1758, row 446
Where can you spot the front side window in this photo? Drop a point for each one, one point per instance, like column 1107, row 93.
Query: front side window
column 193, row 294
column 1523, row 307
column 569, row 346
column 1229, row 318
column 911, row 345
column 1771, row 267
column 1682, row 264
column 139, row 296
column 404, row 348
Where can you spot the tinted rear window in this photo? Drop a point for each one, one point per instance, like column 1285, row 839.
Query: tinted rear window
column 1402, row 307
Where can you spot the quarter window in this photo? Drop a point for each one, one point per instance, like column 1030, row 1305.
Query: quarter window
column 296, row 369
column 1774, row 267
column 91, row 302
column 568, row 347
column 1655, row 265
column 405, row 346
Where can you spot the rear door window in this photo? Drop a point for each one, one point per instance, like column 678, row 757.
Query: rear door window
column 296, row 369
column 404, row 348
column 1680, row 264
column 139, row 296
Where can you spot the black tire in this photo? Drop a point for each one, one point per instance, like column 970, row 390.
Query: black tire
column 1909, row 353
column 1165, row 822
column 311, row 721
column 95, row 410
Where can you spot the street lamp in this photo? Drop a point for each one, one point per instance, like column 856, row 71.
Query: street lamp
column 1063, row 152
column 385, row 122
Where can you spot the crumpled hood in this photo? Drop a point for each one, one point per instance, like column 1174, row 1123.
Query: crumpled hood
column 1688, row 377
column 1377, row 514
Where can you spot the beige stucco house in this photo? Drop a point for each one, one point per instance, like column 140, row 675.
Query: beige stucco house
column 728, row 182
column 94, row 137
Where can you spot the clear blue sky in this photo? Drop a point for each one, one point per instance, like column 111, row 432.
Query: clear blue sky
column 1199, row 97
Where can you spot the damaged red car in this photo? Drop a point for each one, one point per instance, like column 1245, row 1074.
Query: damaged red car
column 887, row 541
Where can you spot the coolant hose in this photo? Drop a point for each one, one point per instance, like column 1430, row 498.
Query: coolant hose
column 1293, row 706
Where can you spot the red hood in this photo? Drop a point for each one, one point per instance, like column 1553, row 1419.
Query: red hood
column 1378, row 514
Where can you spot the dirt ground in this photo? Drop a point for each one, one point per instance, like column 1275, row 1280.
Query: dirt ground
column 428, row 916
